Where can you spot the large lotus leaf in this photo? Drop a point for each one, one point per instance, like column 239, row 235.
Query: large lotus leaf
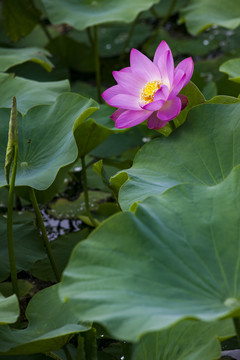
column 28, row 92
column 11, row 57
column 51, row 325
column 9, row 310
column 203, row 151
column 28, row 244
column 200, row 15
column 46, row 141
column 85, row 13
column 187, row 340
column 176, row 258
column 232, row 68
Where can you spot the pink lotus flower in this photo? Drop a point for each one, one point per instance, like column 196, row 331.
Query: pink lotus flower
column 149, row 90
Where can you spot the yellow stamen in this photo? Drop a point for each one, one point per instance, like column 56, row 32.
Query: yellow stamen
column 149, row 90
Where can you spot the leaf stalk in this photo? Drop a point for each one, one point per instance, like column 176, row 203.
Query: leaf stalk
column 85, row 189
column 97, row 63
column 44, row 234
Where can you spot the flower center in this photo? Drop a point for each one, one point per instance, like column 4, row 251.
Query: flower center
column 148, row 91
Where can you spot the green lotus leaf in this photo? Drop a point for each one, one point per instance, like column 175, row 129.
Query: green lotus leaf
column 200, row 15
column 11, row 57
column 28, row 92
column 176, row 258
column 46, row 141
column 19, row 18
column 51, row 325
column 203, row 151
column 232, row 69
column 28, row 244
column 9, row 309
column 85, row 13
column 223, row 99
column 193, row 340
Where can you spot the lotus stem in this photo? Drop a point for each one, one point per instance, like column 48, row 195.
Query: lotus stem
column 10, row 224
column 85, row 189
column 161, row 24
column 126, row 43
column 51, row 355
column 97, row 63
column 89, row 34
column 236, row 322
column 155, row 14
column 45, row 29
column 44, row 234
column 67, row 353
column 169, row 13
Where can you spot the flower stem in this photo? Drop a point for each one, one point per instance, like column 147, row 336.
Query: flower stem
column 160, row 25
column 44, row 234
column 67, row 353
column 126, row 43
column 97, row 63
column 45, row 29
column 51, row 355
column 169, row 13
column 236, row 322
column 89, row 34
column 85, row 189
column 154, row 13
column 10, row 224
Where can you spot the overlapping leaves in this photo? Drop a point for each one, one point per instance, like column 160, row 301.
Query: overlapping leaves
column 203, row 151
column 187, row 340
column 139, row 272
column 29, row 92
column 51, row 325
